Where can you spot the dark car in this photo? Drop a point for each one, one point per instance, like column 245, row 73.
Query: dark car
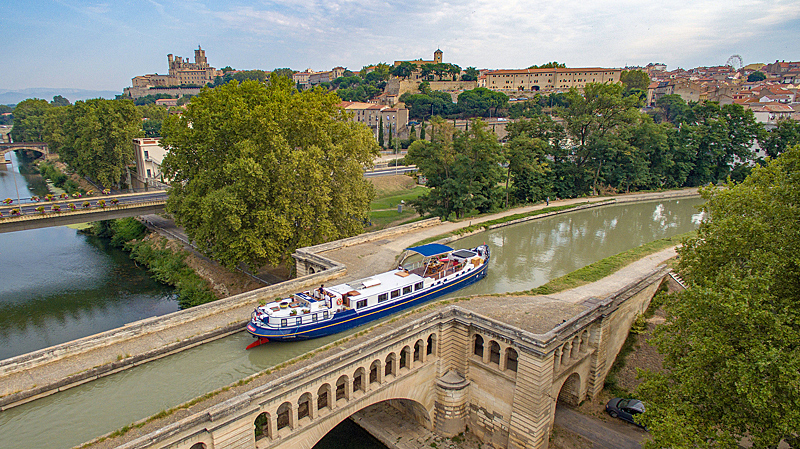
column 626, row 409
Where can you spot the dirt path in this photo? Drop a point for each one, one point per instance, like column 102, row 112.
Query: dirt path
column 608, row 435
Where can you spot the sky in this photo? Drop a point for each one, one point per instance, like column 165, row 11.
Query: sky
column 102, row 45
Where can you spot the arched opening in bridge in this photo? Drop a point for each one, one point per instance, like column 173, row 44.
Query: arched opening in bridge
column 494, row 352
column 284, row 416
column 389, row 365
column 404, row 357
column 341, row 388
column 304, row 406
column 418, row 351
column 374, row 372
column 511, row 359
column 477, row 346
column 358, row 381
column 431, row 348
column 198, row 446
column 262, row 426
column 570, row 392
column 323, row 396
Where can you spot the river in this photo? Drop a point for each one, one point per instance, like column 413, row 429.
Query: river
column 57, row 284
column 524, row 256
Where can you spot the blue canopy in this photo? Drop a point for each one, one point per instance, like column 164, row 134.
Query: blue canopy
column 431, row 249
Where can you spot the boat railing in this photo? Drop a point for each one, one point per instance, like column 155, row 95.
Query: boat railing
column 413, row 266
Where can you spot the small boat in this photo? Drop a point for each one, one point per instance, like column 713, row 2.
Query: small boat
column 328, row 310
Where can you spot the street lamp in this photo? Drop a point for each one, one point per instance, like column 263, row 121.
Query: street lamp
column 9, row 162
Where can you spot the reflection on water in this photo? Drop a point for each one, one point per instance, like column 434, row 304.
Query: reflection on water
column 57, row 285
column 524, row 256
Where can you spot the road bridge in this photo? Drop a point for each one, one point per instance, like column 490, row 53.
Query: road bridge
column 86, row 210
column 40, row 147
column 496, row 364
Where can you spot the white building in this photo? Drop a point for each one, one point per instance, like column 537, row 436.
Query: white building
column 149, row 156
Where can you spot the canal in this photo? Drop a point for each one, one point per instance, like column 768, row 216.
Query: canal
column 58, row 285
column 524, row 256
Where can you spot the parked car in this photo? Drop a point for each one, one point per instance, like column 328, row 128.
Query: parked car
column 626, row 409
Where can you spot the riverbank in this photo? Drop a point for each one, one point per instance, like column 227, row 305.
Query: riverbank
column 54, row 369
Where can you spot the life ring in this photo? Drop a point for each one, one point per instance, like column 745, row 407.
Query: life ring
column 339, row 302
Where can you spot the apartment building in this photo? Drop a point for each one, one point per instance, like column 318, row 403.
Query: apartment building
column 394, row 119
column 149, row 156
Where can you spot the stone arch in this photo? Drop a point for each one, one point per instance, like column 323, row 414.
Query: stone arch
column 304, row 408
column 359, row 380
column 418, row 351
column 570, row 392
column 199, row 446
column 324, row 397
column 477, row 346
column 342, row 388
column 431, row 349
column 262, row 426
column 389, row 368
column 418, row 412
column 511, row 359
column 285, row 417
column 405, row 358
column 494, row 352
column 375, row 374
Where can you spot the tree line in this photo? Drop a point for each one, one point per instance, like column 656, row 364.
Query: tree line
column 595, row 141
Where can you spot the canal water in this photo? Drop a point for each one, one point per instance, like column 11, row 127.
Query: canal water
column 58, row 285
column 524, row 256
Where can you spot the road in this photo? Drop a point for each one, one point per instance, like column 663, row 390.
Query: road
column 29, row 208
column 609, row 435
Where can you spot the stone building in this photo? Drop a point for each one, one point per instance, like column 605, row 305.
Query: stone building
column 532, row 80
column 149, row 156
column 394, row 119
column 182, row 75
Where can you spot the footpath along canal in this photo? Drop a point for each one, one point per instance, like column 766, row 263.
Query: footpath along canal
column 524, row 256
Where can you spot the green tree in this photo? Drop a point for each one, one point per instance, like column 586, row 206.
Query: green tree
column 481, row 102
column 549, row 65
column 672, row 108
column 756, row 77
column 380, row 133
column 463, row 169
column 732, row 358
column 470, row 74
column 403, row 70
column 634, row 79
column 260, row 170
column 58, row 100
column 592, row 120
column 285, row 72
column 785, row 134
column 257, row 75
column 98, row 139
column 29, row 117
column 422, row 131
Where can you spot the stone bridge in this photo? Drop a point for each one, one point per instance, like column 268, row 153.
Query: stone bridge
column 40, row 147
column 38, row 221
column 496, row 364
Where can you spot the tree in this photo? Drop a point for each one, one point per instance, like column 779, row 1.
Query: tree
column 462, row 168
column 756, row 77
column 481, row 102
column 549, row 65
column 29, row 118
column 672, row 109
column 98, row 138
column 592, row 119
column 58, row 100
column 403, row 70
column 380, row 133
column 258, row 171
column 785, row 134
column 634, row 79
column 470, row 74
column 282, row 72
column 529, row 169
column 730, row 342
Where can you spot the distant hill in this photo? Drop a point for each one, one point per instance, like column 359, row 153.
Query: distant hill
column 47, row 93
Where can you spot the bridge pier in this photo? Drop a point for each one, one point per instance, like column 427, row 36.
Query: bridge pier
column 452, row 396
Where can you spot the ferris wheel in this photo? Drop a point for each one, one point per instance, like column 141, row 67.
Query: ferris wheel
column 735, row 62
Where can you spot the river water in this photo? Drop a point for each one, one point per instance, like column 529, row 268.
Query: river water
column 58, row 285
column 524, row 256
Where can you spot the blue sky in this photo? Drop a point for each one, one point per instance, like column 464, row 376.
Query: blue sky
column 102, row 45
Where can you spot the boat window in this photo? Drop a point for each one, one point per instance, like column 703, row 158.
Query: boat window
column 361, row 303
column 395, row 293
column 325, row 315
column 383, row 297
column 406, row 290
column 314, row 318
column 418, row 286
column 299, row 321
column 284, row 322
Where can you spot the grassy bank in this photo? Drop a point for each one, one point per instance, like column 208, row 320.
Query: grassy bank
column 165, row 264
